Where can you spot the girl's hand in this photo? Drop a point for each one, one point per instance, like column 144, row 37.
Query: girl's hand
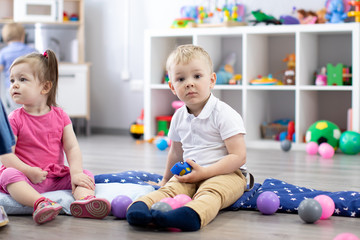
column 82, row 180
column 36, row 175
column 197, row 173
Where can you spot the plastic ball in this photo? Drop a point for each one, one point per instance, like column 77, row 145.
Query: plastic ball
column 286, row 145
column 119, row 206
column 327, row 205
column 346, row 236
column 182, row 199
column 350, row 142
column 312, row 148
column 326, row 150
column 268, row 202
column 172, row 202
column 161, row 144
column 161, row 206
column 310, row 210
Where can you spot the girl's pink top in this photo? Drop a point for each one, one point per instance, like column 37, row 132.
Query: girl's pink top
column 40, row 139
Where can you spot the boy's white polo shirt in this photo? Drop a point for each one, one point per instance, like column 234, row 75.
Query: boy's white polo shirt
column 202, row 137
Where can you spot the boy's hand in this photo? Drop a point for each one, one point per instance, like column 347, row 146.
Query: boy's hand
column 36, row 175
column 82, row 180
column 197, row 173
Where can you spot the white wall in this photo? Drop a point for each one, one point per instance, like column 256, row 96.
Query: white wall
column 113, row 104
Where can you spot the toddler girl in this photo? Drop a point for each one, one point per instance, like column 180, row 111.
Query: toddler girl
column 43, row 132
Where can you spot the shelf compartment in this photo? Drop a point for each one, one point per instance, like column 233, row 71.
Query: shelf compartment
column 320, row 48
column 160, row 49
column 220, row 47
column 234, row 98
column 323, row 105
column 267, row 106
column 265, row 54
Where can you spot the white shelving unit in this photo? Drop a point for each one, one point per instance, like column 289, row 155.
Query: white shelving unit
column 260, row 51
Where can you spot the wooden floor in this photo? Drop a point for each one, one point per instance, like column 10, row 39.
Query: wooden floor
column 107, row 154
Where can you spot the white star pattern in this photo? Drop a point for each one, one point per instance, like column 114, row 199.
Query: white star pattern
column 337, row 211
column 293, row 199
column 353, row 214
column 341, row 198
column 106, row 180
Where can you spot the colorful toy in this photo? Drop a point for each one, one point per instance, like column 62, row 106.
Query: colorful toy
column 181, row 168
column 137, row 128
column 346, row 236
column 334, row 74
column 161, row 206
column 310, row 210
column 312, row 148
column 182, row 199
column 350, row 142
column 336, row 11
column 324, row 131
column 226, row 71
column 172, row 202
column 356, row 12
column 321, row 78
column 264, row 80
column 326, row 150
column 327, row 206
column 268, row 202
column 261, row 17
column 3, row 217
column 307, row 17
column 182, row 22
column 285, row 145
column 119, row 206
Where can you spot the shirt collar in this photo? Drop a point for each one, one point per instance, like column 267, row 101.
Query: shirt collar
column 207, row 110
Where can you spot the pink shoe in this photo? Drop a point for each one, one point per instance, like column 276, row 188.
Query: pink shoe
column 90, row 207
column 46, row 211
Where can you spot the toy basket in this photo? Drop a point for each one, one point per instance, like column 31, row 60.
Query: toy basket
column 270, row 131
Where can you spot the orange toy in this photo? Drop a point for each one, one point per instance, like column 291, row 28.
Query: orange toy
column 355, row 13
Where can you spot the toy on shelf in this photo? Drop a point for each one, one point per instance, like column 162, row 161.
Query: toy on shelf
column 261, row 17
column 289, row 73
column 226, row 71
column 307, row 17
column 181, row 168
column 338, row 75
column 212, row 16
column 273, row 129
column 137, row 128
column 356, row 12
column 289, row 19
column 336, row 11
column 269, row 80
column 321, row 78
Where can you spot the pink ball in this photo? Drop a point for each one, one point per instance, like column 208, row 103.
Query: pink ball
column 182, row 199
column 346, row 236
column 312, row 148
column 326, row 150
column 327, row 205
column 172, row 202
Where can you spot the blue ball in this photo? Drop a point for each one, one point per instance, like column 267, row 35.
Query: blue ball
column 119, row 206
column 161, row 144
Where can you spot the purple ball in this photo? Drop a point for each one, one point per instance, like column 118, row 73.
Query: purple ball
column 119, row 206
column 268, row 203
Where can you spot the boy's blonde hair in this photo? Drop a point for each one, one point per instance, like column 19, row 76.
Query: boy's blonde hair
column 45, row 67
column 185, row 53
column 13, row 32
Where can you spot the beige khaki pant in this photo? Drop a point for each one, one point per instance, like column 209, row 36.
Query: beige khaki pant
column 209, row 196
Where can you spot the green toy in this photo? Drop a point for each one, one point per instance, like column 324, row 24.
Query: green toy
column 324, row 131
column 334, row 74
column 350, row 142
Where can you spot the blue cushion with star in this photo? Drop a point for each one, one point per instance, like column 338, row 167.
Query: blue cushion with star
column 347, row 203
